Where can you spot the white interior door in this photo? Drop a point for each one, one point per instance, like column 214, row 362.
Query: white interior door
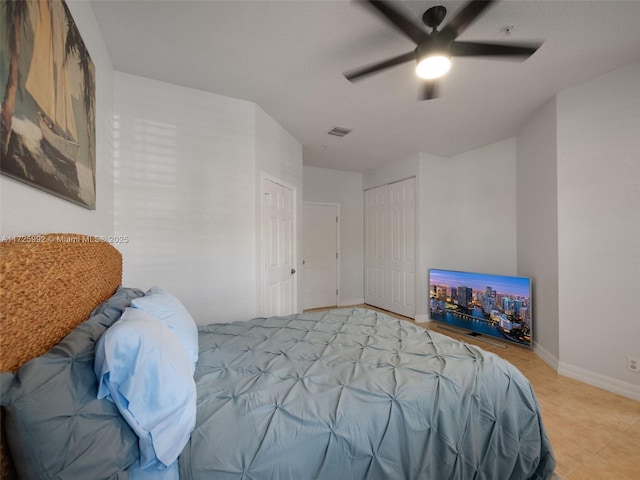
column 279, row 240
column 320, row 255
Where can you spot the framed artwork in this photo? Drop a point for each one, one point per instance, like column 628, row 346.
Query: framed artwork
column 47, row 86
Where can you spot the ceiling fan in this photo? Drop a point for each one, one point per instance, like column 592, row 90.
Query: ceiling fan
column 434, row 49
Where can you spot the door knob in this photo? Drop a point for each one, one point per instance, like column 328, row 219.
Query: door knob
column 293, row 270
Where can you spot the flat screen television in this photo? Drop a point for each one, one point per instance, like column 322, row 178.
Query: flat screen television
column 493, row 305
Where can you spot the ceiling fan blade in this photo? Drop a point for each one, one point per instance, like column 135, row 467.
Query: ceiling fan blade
column 399, row 20
column 376, row 67
column 428, row 90
column 465, row 16
column 472, row 49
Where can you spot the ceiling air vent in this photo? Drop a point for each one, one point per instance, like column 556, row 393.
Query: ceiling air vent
column 339, row 131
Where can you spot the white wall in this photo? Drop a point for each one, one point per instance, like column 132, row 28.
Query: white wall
column 431, row 172
column 188, row 166
column 185, row 195
column 473, row 212
column 392, row 172
column 467, row 214
column 25, row 209
column 537, row 225
column 345, row 189
column 599, row 229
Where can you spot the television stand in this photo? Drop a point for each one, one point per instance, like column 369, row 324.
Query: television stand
column 476, row 335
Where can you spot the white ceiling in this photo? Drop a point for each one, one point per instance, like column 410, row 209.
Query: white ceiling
column 288, row 57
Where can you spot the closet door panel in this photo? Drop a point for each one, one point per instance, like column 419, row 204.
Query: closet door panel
column 402, row 200
column 376, row 246
column 390, row 230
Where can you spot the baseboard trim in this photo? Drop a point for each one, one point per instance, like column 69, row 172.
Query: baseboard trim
column 613, row 385
column 350, row 301
column 546, row 356
column 422, row 318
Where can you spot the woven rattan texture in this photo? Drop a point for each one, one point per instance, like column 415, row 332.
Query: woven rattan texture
column 48, row 285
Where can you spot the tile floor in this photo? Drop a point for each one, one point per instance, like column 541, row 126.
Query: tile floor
column 595, row 434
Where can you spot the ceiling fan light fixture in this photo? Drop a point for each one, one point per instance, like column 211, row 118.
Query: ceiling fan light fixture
column 433, row 66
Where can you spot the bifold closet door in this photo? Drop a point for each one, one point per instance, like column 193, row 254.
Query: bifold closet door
column 402, row 216
column 376, row 262
column 390, row 257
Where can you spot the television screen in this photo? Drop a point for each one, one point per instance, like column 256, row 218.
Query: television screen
column 494, row 305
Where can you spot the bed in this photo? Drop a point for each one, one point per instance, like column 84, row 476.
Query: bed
column 348, row 393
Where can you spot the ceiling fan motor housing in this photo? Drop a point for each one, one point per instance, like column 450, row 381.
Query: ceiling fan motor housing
column 434, row 16
column 436, row 44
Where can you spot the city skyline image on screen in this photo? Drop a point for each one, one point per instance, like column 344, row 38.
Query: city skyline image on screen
column 494, row 305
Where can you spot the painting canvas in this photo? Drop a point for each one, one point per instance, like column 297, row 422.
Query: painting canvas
column 47, row 83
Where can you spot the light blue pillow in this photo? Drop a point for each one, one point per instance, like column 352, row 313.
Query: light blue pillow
column 171, row 472
column 167, row 308
column 143, row 368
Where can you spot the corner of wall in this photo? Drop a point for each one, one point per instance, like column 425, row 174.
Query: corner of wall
column 537, row 224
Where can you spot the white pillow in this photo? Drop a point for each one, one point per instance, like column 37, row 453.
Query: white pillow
column 167, row 308
column 143, row 368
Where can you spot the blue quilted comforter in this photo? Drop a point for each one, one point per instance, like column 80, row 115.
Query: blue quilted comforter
column 354, row 394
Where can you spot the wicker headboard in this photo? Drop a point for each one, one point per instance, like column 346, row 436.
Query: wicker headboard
column 49, row 284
